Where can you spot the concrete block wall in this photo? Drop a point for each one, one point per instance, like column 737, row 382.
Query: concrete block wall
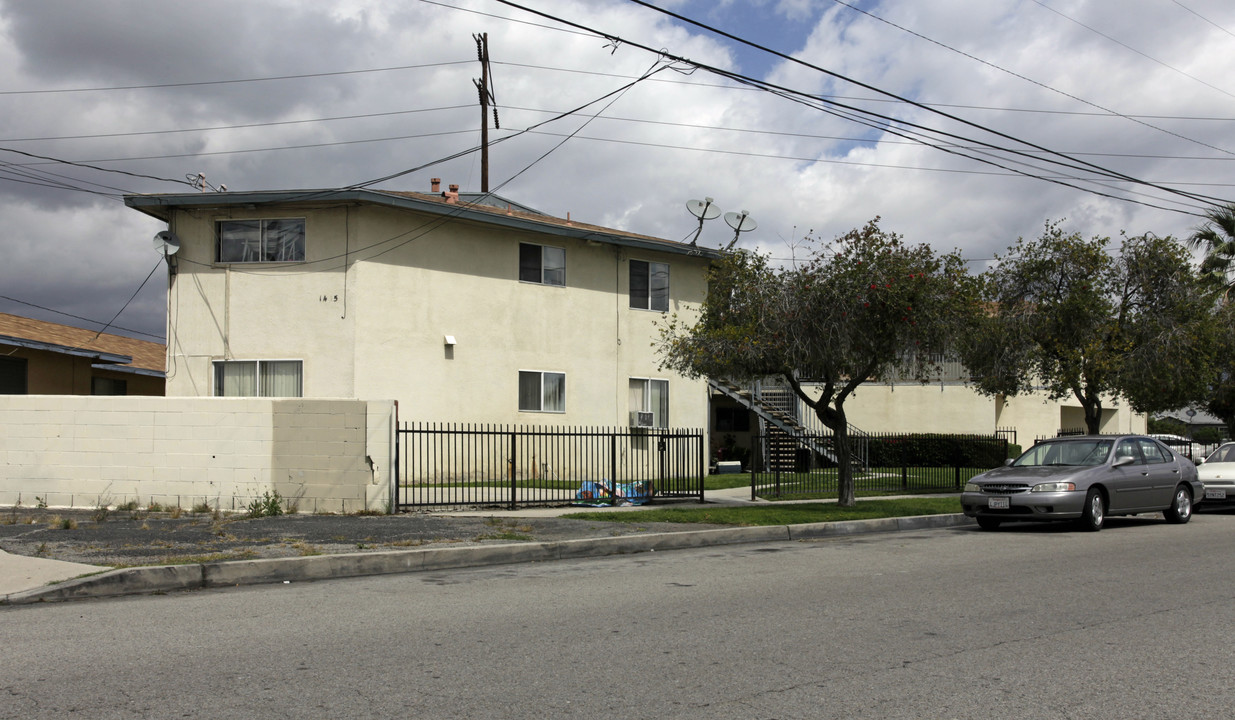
column 331, row 455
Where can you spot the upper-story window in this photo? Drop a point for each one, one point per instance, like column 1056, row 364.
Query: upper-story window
column 542, row 264
column 245, row 241
column 649, row 285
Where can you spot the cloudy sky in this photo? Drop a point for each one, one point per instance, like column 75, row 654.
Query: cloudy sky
column 962, row 124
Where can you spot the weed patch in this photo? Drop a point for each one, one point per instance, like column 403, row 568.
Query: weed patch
column 268, row 505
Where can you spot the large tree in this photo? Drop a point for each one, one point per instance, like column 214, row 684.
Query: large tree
column 1064, row 314
column 865, row 305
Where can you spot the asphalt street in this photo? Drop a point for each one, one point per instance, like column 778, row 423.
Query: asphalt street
column 1032, row 621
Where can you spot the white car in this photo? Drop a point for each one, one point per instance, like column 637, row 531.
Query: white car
column 1217, row 472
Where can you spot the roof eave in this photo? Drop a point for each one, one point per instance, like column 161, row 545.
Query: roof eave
column 131, row 370
column 161, row 207
column 98, row 355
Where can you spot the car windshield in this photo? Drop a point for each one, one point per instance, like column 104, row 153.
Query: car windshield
column 1071, row 453
column 1224, row 454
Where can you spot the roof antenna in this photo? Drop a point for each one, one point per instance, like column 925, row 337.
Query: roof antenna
column 198, row 182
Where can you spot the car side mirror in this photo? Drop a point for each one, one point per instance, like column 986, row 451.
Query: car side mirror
column 1122, row 460
column 1199, row 461
column 1008, row 462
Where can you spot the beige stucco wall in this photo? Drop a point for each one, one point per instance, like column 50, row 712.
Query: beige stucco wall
column 76, row 451
column 954, row 408
column 914, row 408
column 378, row 328
column 1034, row 416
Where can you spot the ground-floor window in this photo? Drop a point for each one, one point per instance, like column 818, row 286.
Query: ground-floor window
column 108, row 386
column 649, row 402
column 542, row 391
column 258, row 378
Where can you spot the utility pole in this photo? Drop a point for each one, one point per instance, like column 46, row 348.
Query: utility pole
column 484, row 86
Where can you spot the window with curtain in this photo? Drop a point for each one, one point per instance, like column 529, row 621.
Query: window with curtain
column 243, row 241
column 647, row 395
column 542, row 264
column 542, row 391
column 258, row 378
column 649, row 285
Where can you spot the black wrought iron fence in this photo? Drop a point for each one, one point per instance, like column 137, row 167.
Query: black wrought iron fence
column 784, row 466
column 477, row 465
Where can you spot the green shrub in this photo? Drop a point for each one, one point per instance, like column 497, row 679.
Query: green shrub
column 936, row 451
column 268, row 505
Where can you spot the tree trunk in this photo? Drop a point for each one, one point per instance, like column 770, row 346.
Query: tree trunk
column 1091, row 403
column 835, row 420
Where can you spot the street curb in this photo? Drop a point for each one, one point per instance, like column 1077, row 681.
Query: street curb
column 168, row 578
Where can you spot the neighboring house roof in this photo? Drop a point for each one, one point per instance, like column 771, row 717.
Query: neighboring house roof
column 492, row 210
column 111, row 352
column 1198, row 417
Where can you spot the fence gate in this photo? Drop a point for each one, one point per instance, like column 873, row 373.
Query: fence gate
column 521, row 466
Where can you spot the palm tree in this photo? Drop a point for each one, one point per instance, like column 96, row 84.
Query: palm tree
column 1217, row 239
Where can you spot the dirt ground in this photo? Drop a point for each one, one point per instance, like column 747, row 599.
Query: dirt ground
column 126, row 538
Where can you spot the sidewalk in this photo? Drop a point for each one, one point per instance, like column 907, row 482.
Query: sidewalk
column 46, row 562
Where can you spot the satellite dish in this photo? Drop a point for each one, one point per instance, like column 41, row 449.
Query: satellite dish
column 703, row 209
column 166, row 242
column 740, row 222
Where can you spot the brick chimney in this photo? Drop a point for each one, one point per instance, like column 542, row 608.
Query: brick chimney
column 436, row 184
column 452, row 196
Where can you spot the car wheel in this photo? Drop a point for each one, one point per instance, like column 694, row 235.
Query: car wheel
column 988, row 523
column 1180, row 510
column 1093, row 515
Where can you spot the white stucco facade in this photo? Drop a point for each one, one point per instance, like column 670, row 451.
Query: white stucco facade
column 404, row 296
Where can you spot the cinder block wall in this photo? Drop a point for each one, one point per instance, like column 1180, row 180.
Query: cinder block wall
column 76, row 451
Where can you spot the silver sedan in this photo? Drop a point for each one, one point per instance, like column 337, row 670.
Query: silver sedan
column 1085, row 479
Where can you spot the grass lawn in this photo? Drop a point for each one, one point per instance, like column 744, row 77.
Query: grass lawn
column 786, row 514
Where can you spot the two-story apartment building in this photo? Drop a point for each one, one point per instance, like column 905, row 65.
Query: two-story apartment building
column 463, row 309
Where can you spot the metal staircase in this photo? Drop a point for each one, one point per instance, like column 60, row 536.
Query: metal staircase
column 777, row 407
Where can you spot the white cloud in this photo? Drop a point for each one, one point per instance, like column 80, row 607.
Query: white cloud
column 795, row 168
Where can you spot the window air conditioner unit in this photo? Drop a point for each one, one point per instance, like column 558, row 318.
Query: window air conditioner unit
column 641, row 419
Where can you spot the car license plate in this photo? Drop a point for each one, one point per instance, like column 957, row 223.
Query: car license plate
column 1215, row 494
column 997, row 503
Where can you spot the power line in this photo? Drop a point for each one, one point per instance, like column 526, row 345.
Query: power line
column 844, row 138
column 1028, row 79
column 726, row 86
column 1211, row 22
column 199, row 83
column 245, row 126
column 434, row 223
column 93, row 167
column 1129, row 47
column 78, row 317
column 787, row 93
